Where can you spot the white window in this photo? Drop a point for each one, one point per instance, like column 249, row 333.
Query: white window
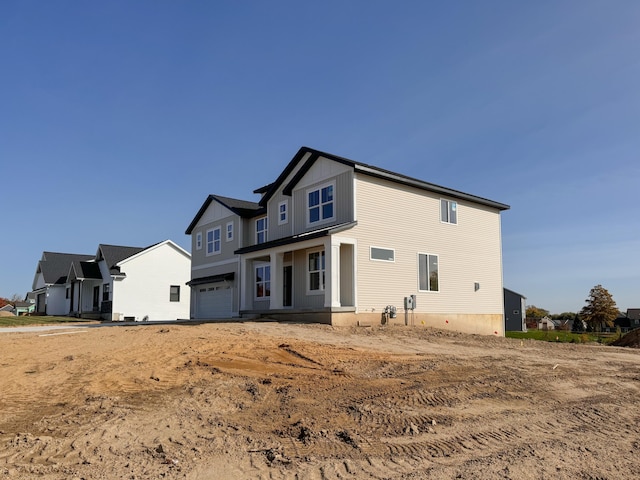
column 382, row 254
column 316, row 272
column 199, row 241
column 428, row 273
column 448, row 211
column 263, row 281
column 283, row 212
column 229, row 234
column 320, row 206
column 213, row 241
column 261, row 230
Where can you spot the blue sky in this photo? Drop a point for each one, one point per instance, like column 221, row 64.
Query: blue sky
column 118, row 118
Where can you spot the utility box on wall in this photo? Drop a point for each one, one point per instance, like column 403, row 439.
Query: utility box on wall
column 410, row 302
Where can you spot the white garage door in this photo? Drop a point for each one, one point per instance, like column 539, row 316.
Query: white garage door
column 214, row 300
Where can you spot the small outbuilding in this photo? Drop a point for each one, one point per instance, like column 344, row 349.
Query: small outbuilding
column 514, row 311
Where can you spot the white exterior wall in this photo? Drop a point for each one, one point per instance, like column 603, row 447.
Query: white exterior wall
column 57, row 304
column 408, row 220
column 145, row 290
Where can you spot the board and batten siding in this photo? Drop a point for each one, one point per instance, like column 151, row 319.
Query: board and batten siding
column 199, row 256
column 407, row 220
column 342, row 207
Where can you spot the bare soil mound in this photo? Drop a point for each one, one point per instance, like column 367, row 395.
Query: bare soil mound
column 283, row 401
column 630, row 339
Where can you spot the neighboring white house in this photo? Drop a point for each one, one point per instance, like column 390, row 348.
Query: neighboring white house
column 342, row 242
column 117, row 283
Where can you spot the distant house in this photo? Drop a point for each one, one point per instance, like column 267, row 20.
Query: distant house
column 8, row 308
column 337, row 241
column 117, row 283
column 25, row 308
column 514, row 311
column 633, row 314
column 545, row 323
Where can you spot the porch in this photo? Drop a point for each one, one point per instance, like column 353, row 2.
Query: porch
column 307, row 279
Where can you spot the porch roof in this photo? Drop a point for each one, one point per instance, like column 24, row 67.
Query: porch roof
column 211, row 279
column 296, row 238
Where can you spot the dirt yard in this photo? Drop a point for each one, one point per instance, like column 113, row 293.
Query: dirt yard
column 280, row 401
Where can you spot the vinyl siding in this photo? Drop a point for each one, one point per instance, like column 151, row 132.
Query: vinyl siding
column 408, row 220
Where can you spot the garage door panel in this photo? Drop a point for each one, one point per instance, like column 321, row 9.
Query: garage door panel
column 215, row 300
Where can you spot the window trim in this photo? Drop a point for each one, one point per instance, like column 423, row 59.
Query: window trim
column 322, row 272
column 285, row 204
column 213, row 241
column 449, row 209
column 172, row 295
column 228, row 237
column 199, row 241
column 319, row 189
column 371, row 247
column 265, row 230
column 264, row 282
column 428, row 282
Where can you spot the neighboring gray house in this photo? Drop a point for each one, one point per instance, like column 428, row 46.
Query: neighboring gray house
column 514, row 311
column 342, row 242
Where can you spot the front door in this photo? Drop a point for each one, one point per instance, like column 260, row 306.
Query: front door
column 96, row 298
column 287, row 286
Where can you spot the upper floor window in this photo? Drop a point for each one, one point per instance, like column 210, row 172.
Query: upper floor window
column 448, row 211
column 174, row 293
column 263, row 281
column 229, row 233
column 316, row 271
column 283, row 213
column 320, row 204
column 428, row 272
column 199, row 241
column 213, row 241
column 261, row 230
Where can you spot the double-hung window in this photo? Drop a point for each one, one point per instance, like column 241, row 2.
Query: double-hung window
column 320, row 204
column 213, row 241
column 263, row 281
column 199, row 241
column 261, row 230
column 428, row 273
column 174, row 293
column 315, row 279
column 283, row 213
column 448, row 211
column 229, row 233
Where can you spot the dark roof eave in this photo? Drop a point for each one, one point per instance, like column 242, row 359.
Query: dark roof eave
column 211, row 279
column 296, row 238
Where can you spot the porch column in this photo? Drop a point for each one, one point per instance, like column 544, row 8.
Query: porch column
column 242, row 283
column 332, row 273
column 276, row 261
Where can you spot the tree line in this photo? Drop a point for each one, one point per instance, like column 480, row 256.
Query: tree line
column 600, row 310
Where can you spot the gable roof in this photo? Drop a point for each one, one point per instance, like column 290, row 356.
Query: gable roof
column 85, row 270
column 113, row 254
column 243, row 208
column 55, row 266
column 269, row 190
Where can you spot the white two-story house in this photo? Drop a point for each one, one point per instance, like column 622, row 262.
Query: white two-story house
column 337, row 241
